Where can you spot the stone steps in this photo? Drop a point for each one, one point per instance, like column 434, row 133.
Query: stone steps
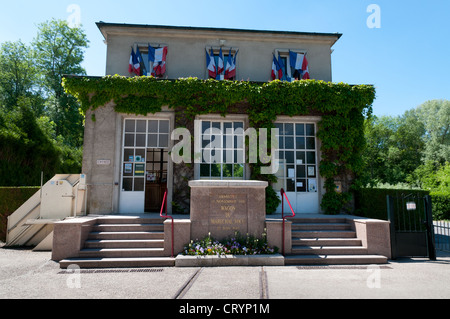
column 117, row 242
column 327, row 241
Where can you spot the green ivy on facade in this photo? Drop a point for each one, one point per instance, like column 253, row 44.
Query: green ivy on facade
column 342, row 108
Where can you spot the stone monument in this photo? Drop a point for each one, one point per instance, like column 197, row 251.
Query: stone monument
column 223, row 208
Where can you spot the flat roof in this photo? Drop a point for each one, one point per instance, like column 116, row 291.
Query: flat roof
column 102, row 24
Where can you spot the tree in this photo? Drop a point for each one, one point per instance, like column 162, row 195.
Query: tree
column 435, row 116
column 59, row 51
column 19, row 77
column 394, row 147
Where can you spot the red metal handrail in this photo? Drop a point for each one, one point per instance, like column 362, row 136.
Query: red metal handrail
column 284, row 196
column 164, row 208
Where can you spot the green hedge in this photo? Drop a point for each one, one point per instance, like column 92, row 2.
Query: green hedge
column 371, row 202
column 11, row 198
column 441, row 205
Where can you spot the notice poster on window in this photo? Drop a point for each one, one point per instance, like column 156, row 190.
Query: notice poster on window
column 128, row 168
column 139, row 169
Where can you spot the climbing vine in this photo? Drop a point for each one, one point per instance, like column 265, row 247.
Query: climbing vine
column 342, row 108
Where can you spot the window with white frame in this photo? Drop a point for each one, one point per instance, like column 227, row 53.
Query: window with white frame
column 298, row 157
column 222, row 149
column 140, row 135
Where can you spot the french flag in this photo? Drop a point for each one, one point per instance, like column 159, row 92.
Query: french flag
column 230, row 70
column 220, row 66
column 211, row 64
column 158, row 57
column 299, row 62
column 276, row 69
column 134, row 65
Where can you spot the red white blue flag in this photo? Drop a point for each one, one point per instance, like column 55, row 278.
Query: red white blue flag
column 230, row 70
column 276, row 69
column 299, row 63
column 211, row 64
column 220, row 64
column 158, row 57
column 134, row 65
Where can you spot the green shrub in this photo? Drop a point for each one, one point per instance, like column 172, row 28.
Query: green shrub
column 372, row 203
column 440, row 201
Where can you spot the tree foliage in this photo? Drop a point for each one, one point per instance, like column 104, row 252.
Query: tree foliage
column 41, row 128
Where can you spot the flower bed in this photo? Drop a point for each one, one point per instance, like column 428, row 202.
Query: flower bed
column 237, row 245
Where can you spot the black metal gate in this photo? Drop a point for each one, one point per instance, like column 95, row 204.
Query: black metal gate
column 411, row 221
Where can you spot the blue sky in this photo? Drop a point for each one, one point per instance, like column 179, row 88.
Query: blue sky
column 407, row 58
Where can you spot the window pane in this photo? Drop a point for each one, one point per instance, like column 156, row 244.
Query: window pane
column 164, row 127
column 141, row 126
column 311, row 171
column 310, row 130
column 127, row 185
column 290, row 185
column 238, row 125
column 301, row 158
column 227, row 171
column 228, row 156
column 141, row 153
column 129, row 140
column 228, row 128
column 311, row 157
column 205, row 126
column 239, row 157
column 300, row 143
column 163, row 140
column 153, row 126
column 289, row 157
column 301, row 185
column 238, row 170
column 152, row 140
column 310, row 143
column 289, row 143
column 140, row 140
column 300, row 129
column 216, row 170
column 130, row 126
column 204, row 170
column 128, row 155
column 279, row 126
column 301, row 171
column 289, row 129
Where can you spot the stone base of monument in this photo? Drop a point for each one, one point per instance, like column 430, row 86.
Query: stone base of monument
column 229, row 260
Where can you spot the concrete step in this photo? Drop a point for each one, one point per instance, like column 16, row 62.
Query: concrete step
column 326, row 242
column 121, row 252
column 129, row 220
column 323, row 234
column 321, row 226
column 127, row 227
column 118, row 262
column 324, row 220
column 130, row 243
column 334, row 259
column 329, row 250
column 122, row 235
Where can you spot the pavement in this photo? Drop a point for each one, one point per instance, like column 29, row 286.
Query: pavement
column 25, row 274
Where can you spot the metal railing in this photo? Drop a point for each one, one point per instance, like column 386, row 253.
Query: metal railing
column 283, row 197
column 164, row 208
column 442, row 235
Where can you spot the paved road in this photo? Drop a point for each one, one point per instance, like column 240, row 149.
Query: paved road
column 25, row 274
